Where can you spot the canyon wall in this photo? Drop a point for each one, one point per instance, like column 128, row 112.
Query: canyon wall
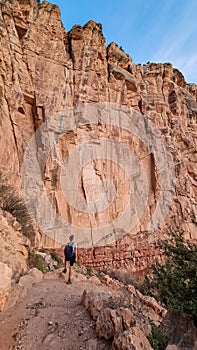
column 47, row 74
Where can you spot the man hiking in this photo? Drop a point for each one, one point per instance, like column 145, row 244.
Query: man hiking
column 70, row 254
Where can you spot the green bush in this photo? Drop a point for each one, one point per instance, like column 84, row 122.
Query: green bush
column 43, row 250
column 174, row 281
column 37, row 261
column 158, row 339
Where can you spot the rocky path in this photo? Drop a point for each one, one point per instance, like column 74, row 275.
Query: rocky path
column 51, row 318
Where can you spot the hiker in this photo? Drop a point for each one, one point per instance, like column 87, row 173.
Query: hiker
column 70, row 254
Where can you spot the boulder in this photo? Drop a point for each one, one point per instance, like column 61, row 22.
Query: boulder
column 180, row 330
column 36, row 274
column 111, row 322
column 26, row 281
column 95, row 301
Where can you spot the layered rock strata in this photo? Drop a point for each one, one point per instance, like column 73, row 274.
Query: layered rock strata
column 44, row 71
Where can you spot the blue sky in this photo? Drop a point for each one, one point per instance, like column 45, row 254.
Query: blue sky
column 148, row 30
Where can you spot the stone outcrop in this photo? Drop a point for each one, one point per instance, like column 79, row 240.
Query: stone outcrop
column 125, row 316
column 13, row 259
column 117, row 314
column 95, row 301
column 180, row 330
column 13, row 245
column 118, row 324
column 5, row 278
column 45, row 70
column 132, row 339
column 111, row 322
column 12, row 292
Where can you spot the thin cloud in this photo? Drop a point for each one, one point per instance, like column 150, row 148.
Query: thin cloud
column 159, row 31
column 179, row 45
column 187, row 65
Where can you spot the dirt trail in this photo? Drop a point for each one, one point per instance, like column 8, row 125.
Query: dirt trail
column 51, row 318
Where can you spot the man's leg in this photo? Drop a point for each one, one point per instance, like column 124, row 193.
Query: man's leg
column 65, row 269
column 70, row 271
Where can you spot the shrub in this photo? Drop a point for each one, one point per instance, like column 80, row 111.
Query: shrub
column 158, row 339
column 15, row 205
column 37, row 261
column 43, row 250
column 174, row 281
column 89, row 270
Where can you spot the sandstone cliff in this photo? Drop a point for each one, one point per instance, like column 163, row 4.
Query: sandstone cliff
column 45, row 70
column 13, row 254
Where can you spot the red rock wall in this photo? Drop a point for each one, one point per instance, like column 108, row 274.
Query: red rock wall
column 45, row 70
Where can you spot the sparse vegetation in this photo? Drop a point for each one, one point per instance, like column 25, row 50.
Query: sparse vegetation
column 55, row 256
column 12, row 203
column 89, row 270
column 85, row 270
column 44, row 260
column 123, row 300
column 127, row 277
column 36, row 260
column 174, row 281
column 158, row 339
column 43, row 250
column 78, row 262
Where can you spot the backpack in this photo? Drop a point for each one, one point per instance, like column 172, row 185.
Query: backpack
column 69, row 251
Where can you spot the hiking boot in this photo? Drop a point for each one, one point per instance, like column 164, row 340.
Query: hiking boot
column 69, row 282
column 64, row 271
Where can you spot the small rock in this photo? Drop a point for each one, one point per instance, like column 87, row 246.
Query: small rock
column 95, row 280
column 91, row 344
column 107, row 280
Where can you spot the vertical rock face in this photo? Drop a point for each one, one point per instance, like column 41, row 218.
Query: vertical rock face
column 13, row 245
column 45, row 70
column 5, row 278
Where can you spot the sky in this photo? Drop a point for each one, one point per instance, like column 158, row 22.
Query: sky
column 148, row 30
